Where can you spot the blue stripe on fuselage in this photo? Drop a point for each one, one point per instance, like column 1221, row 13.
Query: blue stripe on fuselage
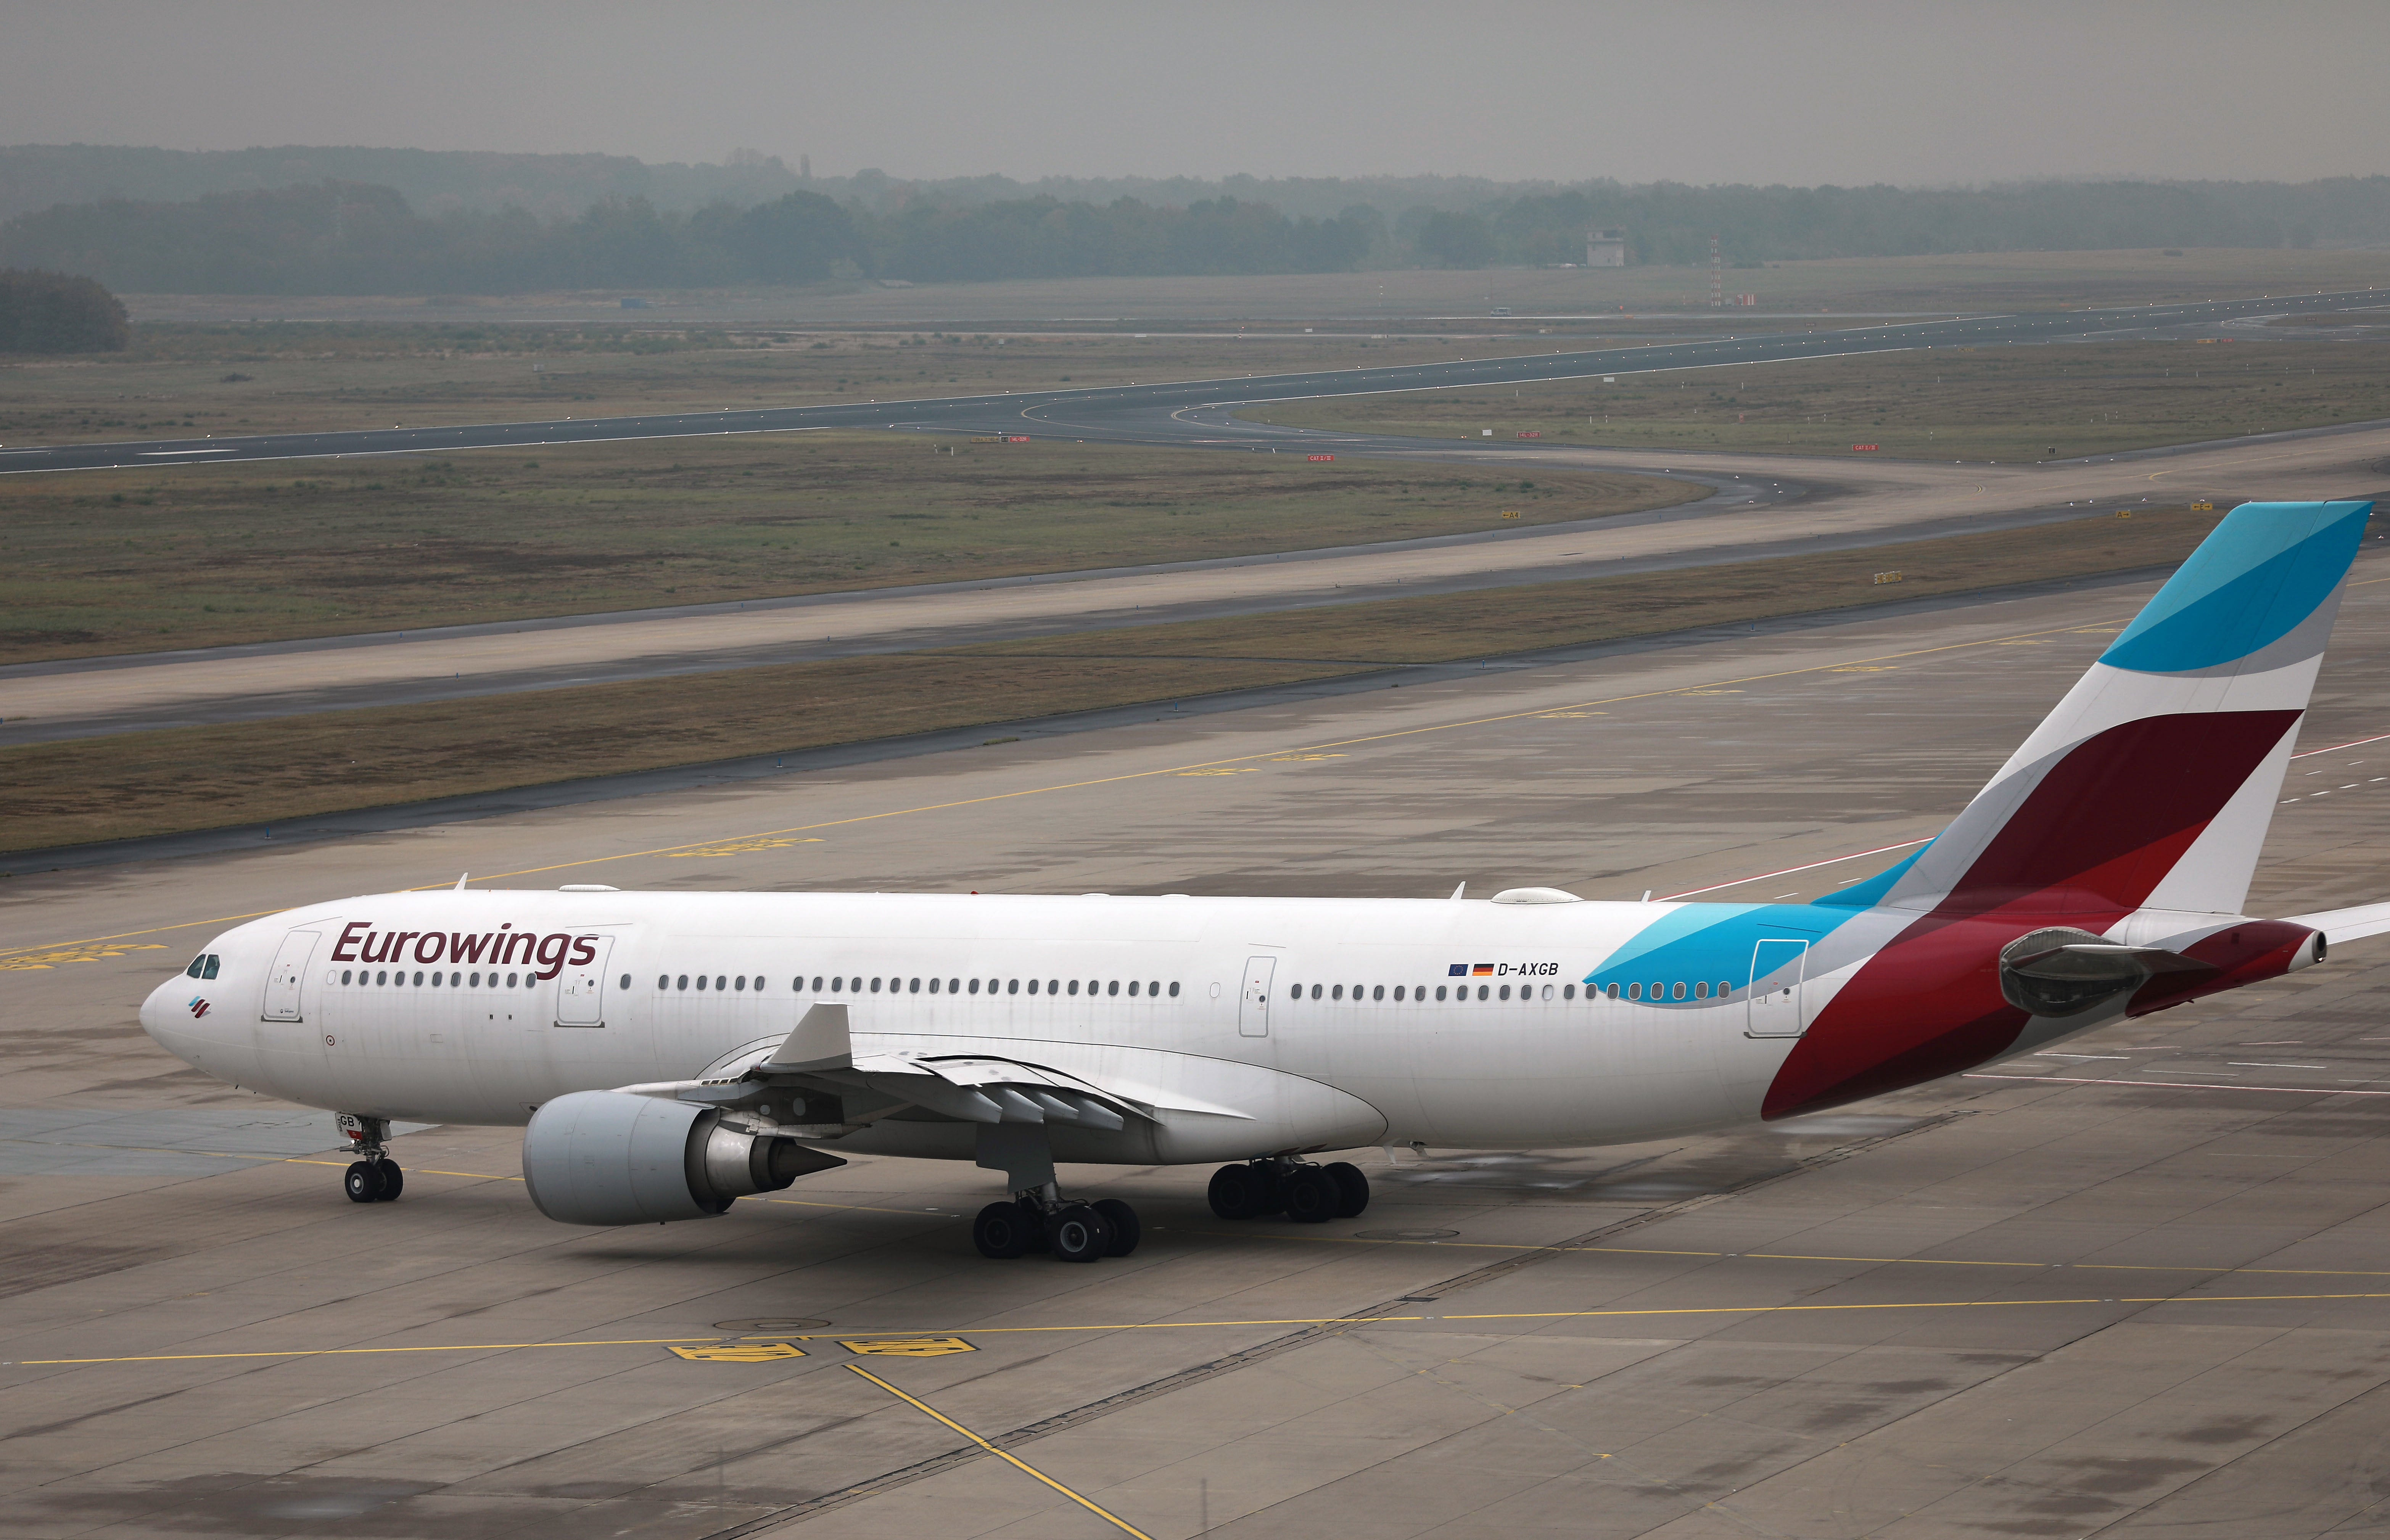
column 1715, row 941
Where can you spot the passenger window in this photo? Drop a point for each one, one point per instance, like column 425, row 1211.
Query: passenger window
column 701, row 980
column 1033, row 987
column 1725, row 989
column 1336, row 991
column 418, row 978
column 1568, row 992
column 1013, row 987
column 1506, row 992
column 684, row 981
column 1051, row 985
column 1634, row 992
column 1399, row 992
column 1702, row 989
column 718, row 980
column 1295, row 994
column 1114, row 988
column 209, row 971
column 1075, row 986
column 1439, row 991
column 741, row 984
column 1547, row 992
column 1132, row 988
column 1174, row 991
column 1678, row 992
column 435, row 981
column 1611, row 992
column 1378, row 992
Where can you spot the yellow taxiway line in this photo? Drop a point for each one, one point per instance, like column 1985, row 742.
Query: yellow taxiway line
column 1104, row 1513
column 1633, row 1313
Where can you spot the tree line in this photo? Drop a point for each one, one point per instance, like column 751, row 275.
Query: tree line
column 336, row 236
column 58, row 313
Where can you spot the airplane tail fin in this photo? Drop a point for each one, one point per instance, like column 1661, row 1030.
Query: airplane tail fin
column 2151, row 784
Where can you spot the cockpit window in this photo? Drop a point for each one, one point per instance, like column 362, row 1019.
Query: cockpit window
column 209, row 970
column 193, row 971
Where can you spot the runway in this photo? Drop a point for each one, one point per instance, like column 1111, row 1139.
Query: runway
column 1144, row 413
column 1764, row 505
column 2140, row 1284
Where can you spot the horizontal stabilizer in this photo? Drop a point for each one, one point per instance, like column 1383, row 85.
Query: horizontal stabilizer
column 2096, row 959
column 2340, row 925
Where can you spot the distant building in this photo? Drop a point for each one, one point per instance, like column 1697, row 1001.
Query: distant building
column 1605, row 249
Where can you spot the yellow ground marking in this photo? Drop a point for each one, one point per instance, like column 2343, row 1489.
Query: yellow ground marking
column 1622, row 1313
column 1788, row 1256
column 1103, row 1513
column 1237, row 761
column 736, row 847
column 28, row 961
column 351, row 1351
column 740, row 1353
column 906, row 1347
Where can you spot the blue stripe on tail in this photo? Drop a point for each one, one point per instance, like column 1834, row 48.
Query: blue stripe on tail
column 2262, row 570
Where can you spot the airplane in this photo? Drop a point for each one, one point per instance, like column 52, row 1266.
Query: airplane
column 668, row 1053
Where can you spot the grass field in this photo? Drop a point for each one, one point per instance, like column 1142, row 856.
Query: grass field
column 126, row 561
column 199, row 778
column 234, row 380
column 1978, row 281
column 2004, row 404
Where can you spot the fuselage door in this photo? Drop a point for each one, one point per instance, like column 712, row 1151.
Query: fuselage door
column 1253, row 1013
column 580, row 988
column 1776, row 966
column 289, row 971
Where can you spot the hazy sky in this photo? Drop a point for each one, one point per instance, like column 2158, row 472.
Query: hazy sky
column 1799, row 91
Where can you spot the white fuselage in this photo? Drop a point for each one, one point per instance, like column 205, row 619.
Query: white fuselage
column 1187, row 1003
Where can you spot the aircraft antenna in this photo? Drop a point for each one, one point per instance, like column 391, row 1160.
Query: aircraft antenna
column 460, row 882
column 1457, row 892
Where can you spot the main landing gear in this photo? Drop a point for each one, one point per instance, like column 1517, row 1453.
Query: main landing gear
column 373, row 1178
column 1306, row 1193
column 1039, row 1219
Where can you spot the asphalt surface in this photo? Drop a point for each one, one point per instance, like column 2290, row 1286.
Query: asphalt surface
column 2134, row 1285
column 1150, row 414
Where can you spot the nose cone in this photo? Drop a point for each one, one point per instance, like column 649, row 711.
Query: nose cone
column 170, row 1013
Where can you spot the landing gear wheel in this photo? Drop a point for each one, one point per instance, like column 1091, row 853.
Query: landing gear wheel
column 1078, row 1233
column 1356, row 1187
column 363, row 1182
column 394, row 1181
column 1238, row 1192
column 1001, row 1230
column 1312, row 1195
column 1126, row 1231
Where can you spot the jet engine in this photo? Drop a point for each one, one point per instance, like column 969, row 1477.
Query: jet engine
column 611, row 1157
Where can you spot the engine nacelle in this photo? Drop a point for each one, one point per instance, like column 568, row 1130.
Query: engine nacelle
column 609, row 1158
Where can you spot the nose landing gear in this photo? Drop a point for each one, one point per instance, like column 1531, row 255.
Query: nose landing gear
column 373, row 1178
column 1306, row 1193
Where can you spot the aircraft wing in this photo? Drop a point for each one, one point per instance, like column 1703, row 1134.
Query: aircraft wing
column 819, row 1083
